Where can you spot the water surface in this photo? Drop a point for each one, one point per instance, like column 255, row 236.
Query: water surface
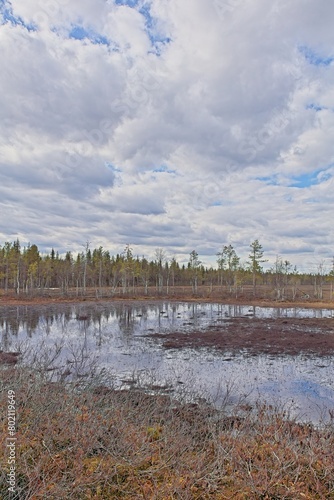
column 74, row 339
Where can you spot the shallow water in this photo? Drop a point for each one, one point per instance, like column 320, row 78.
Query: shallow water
column 75, row 339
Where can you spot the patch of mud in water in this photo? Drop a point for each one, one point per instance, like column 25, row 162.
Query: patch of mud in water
column 232, row 353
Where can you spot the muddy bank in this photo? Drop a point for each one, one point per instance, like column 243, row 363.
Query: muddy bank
column 288, row 336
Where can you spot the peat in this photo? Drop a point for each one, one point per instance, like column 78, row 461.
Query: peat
column 288, row 336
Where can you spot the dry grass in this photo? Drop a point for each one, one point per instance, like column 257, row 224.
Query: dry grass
column 97, row 443
column 265, row 295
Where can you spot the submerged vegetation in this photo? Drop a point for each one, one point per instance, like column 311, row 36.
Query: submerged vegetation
column 87, row 441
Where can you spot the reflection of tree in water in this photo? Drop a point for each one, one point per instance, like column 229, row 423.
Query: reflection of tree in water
column 30, row 319
column 235, row 311
column 5, row 340
column 99, row 316
column 106, row 320
column 11, row 325
column 193, row 313
column 20, row 317
column 173, row 313
column 126, row 320
column 131, row 319
column 102, row 317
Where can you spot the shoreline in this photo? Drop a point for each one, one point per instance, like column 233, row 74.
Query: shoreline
column 7, row 301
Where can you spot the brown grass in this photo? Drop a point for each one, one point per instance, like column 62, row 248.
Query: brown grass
column 288, row 336
column 97, row 443
column 265, row 296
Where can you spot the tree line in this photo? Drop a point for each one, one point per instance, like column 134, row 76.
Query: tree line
column 26, row 270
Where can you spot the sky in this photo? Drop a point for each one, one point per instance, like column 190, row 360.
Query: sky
column 182, row 125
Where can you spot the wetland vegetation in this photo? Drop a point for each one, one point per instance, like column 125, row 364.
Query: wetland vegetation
column 105, row 409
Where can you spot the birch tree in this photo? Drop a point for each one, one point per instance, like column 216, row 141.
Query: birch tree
column 228, row 264
column 194, row 267
column 160, row 259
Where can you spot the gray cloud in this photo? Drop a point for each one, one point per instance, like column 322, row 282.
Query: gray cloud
column 234, row 99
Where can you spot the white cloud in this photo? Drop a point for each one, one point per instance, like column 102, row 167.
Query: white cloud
column 234, row 98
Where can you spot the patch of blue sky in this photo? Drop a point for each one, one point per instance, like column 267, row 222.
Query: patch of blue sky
column 315, row 107
column 313, row 58
column 216, row 204
column 8, row 17
column 310, row 179
column 164, row 169
column 158, row 43
column 80, row 33
column 129, row 3
column 157, row 39
column 305, row 180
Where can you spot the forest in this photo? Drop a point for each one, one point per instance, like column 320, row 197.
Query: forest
column 24, row 270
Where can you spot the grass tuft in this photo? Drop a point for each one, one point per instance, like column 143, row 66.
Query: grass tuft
column 94, row 442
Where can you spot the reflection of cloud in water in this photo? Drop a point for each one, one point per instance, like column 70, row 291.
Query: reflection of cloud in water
column 307, row 399
column 113, row 335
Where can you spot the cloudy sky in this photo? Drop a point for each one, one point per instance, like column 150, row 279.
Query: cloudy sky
column 181, row 124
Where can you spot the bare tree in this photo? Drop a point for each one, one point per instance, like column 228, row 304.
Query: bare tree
column 85, row 263
column 280, row 275
column 194, row 267
column 228, row 264
column 160, row 259
column 319, row 279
